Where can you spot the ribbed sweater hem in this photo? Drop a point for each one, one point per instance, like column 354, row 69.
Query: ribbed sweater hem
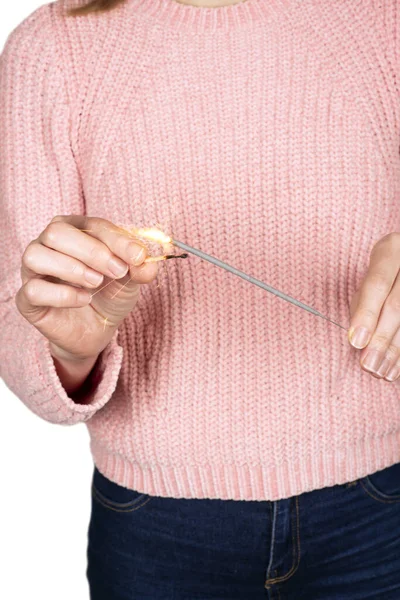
column 251, row 482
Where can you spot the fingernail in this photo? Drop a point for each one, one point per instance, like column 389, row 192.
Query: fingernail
column 117, row 267
column 393, row 373
column 93, row 278
column 137, row 254
column 384, row 368
column 359, row 337
column 373, row 360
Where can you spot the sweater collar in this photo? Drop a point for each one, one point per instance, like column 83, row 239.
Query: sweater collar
column 188, row 17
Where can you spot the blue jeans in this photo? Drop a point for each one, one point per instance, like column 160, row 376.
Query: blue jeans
column 336, row 543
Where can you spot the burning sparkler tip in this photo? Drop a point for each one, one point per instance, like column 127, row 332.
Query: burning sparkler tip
column 176, row 256
column 164, row 257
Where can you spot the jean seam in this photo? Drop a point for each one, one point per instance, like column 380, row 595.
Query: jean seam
column 373, row 494
column 274, row 593
column 101, row 500
column 298, row 548
column 274, row 508
column 118, row 504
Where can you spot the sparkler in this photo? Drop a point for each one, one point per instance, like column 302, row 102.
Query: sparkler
column 156, row 235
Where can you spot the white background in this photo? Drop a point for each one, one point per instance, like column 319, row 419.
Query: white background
column 45, row 479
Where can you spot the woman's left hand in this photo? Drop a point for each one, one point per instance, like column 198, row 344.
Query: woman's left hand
column 375, row 311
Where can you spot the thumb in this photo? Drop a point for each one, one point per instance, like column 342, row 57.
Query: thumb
column 118, row 297
column 354, row 303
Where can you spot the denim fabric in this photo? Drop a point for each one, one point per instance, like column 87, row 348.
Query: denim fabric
column 336, row 543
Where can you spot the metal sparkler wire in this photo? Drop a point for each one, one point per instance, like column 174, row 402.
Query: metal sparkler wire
column 253, row 280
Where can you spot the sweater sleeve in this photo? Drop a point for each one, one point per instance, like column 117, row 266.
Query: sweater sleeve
column 38, row 180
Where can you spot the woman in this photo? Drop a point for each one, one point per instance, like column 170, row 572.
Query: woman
column 243, row 447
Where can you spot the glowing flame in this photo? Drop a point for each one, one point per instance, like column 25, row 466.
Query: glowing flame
column 152, row 259
column 153, row 234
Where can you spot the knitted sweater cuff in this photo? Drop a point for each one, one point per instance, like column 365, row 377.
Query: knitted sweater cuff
column 104, row 381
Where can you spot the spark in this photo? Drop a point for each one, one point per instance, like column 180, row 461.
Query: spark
column 102, row 288
column 105, row 320
column 121, row 288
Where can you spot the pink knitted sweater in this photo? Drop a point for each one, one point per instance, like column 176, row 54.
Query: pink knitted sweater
column 265, row 133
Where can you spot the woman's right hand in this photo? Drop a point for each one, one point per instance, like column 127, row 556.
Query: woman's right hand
column 76, row 250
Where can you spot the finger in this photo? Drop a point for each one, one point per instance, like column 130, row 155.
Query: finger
column 131, row 250
column 375, row 288
column 137, row 275
column 382, row 351
column 38, row 259
column 145, row 273
column 65, row 238
column 39, row 293
column 393, row 372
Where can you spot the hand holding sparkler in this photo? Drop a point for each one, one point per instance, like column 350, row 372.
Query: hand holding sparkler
column 61, row 269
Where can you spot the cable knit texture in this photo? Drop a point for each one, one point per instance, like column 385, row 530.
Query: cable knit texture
column 265, row 133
